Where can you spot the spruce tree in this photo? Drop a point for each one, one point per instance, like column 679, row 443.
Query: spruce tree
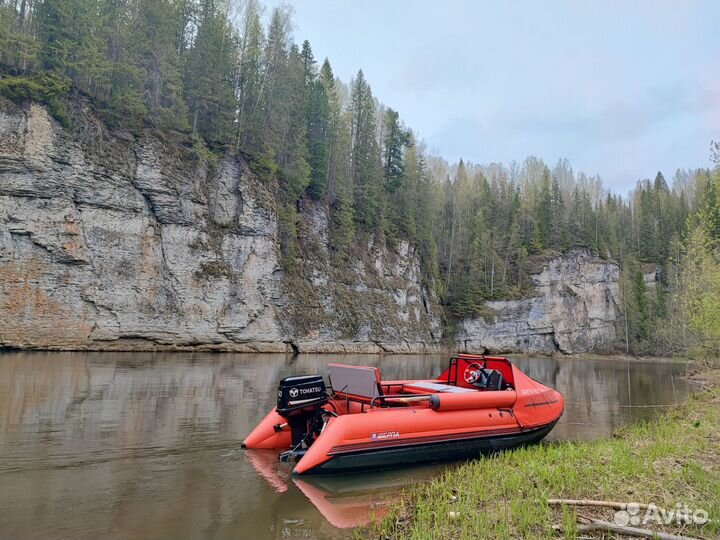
column 545, row 210
column 292, row 153
column 249, row 85
column 275, row 85
column 153, row 41
column 209, row 76
column 365, row 154
column 396, row 138
column 317, row 107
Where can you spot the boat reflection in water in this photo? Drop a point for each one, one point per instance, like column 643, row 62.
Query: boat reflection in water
column 344, row 501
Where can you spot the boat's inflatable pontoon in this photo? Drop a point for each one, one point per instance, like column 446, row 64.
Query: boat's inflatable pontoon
column 479, row 404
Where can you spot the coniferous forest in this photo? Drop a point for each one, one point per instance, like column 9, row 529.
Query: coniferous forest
column 228, row 76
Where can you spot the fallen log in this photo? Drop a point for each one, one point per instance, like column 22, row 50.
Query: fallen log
column 606, row 526
column 589, row 502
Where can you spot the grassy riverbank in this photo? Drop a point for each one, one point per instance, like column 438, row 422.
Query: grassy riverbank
column 674, row 459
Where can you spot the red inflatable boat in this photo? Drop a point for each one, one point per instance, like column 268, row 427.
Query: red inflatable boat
column 479, row 404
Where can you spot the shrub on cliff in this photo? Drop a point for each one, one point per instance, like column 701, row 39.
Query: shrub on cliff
column 47, row 88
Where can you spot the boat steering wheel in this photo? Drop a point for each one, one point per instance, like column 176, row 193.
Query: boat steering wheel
column 473, row 372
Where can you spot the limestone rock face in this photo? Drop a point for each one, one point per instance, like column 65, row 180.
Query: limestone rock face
column 575, row 311
column 113, row 242
column 373, row 302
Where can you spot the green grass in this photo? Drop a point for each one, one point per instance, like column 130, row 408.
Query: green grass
column 674, row 459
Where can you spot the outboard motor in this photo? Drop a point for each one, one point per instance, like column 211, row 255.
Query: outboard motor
column 300, row 401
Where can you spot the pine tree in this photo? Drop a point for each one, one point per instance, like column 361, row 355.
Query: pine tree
column 396, row 138
column 153, row 39
column 336, row 128
column 544, row 210
column 209, row 76
column 19, row 46
column 275, row 86
column 317, row 123
column 292, row 152
column 339, row 187
column 558, row 227
column 365, row 171
column 662, row 215
column 646, row 224
column 249, row 85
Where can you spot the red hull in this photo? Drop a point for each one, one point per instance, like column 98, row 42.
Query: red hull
column 435, row 425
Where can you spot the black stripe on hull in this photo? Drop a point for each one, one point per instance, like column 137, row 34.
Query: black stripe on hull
column 383, row 458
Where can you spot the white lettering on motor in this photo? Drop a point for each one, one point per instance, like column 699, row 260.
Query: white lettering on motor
column 310, row 390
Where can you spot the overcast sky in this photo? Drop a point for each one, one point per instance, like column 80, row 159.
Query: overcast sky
column 621, row 89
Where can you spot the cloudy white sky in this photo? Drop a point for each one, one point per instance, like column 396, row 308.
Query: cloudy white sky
column 621, row 89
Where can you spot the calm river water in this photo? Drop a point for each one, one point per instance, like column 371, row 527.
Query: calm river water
column 147, row 446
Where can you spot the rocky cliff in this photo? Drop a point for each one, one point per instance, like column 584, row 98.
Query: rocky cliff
column 110, row 241
column 575, row 310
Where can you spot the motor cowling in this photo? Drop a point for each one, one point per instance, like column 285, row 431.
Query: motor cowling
column 300, row 393
column 300, row 400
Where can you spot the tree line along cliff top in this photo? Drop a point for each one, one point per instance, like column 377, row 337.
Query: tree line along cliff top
column 228, row 77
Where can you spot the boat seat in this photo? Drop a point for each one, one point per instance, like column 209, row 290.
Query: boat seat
column 438, row 387
column 356, row 382
column 494, row 381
